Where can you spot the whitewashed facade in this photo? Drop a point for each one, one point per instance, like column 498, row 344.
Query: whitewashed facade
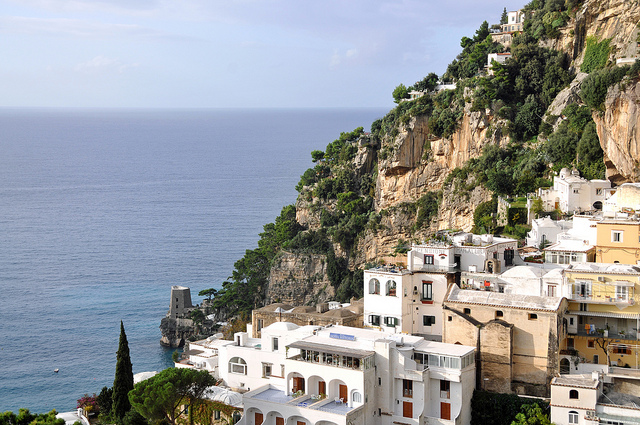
column 572, row 193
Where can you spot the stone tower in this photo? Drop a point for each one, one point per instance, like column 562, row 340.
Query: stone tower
column 180, row 301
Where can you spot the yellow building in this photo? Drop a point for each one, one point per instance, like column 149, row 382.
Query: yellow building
column 603, row 314
column 618, row 241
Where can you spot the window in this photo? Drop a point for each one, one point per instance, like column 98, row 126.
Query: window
column 499, row 314
column 390, row 321
column 445, row 389
column 596, row 359
column 467, row 311
column 508, row 257
column 427, row 291
column 573, row 417
column 356, row 397
column 374, row 286
column 407, row 388
column 622, row 293
column 599, row 191
column 275, row 344
column 533, row 316
column 266, row 369
column 428, row 320
column 591, row 343
column 391, row 288
column 551, row 290
column 238, row 365
column 260, row 324
column 428, row 259
column 573, row 394
column 576, row 191
column 616, row 236
column 216, row 415
column 374, row 320
column 621, row 349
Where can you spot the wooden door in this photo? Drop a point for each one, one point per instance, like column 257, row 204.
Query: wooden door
column 322, row 387
column 279, row 420
column 343, row 393
column 445, row 411
column 258, row 420
column 301, row 423
column 298, row 384
column 407, row 409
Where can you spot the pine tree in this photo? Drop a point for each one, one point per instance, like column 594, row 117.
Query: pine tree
column 123, row 381
column 504, row 18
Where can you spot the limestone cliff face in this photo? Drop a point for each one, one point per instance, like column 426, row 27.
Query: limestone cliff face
column 299, row 279
column 619, row 133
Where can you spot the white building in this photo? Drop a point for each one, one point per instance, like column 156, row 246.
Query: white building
column 498, row 57
column 582, row 400
column 515, row 20
column 410, row 300
column 625, row 199
column 341, row 375
column 569, row 251
column 572, row 193
column 546, row 230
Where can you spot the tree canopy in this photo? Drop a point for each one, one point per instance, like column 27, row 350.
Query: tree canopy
column 164, row 395
column 123, row 380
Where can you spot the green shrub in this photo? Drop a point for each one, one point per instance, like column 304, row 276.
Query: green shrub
column 595, row 86
column 596, row 54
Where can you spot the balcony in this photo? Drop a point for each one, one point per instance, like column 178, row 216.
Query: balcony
column 435, row 268
column 602, row 299
column 610, row 334
column 269, row 398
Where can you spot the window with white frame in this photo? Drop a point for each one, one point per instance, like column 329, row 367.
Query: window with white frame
column 622, row 293
column 573, row 417
column 356, row 397
column 428, row 259
column 238, row 365
column 275, row 344
column 374, row 320
column 616, row 236
column 374, row 286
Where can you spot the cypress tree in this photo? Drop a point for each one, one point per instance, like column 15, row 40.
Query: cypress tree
column 123, row 381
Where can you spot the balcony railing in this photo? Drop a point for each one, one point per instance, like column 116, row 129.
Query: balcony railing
column 436, row 268
column 601, row 299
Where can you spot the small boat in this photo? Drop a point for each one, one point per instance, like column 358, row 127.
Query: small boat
column 56, row 370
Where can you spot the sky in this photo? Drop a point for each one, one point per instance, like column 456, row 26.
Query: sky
column 228, row 53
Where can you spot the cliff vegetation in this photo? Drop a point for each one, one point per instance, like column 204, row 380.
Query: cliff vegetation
column 440, row 160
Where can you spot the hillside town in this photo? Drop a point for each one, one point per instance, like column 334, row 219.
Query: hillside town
column 461, row 312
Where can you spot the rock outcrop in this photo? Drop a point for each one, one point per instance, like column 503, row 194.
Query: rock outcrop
column 299, row 279
column 619, row 133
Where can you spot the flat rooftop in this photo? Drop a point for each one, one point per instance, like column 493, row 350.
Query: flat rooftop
column 497, row 299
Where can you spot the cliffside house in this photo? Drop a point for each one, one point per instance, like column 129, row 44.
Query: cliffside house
column 571, row 193
column 618, row 239
column 410, row 300
column 516, row 335
column 603, row 316
column 341, row 375
column 515, row 20
column 587, row 399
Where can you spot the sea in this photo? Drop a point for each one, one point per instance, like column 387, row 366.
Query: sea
column 103, row 210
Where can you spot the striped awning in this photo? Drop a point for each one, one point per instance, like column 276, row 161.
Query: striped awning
column 633, row 316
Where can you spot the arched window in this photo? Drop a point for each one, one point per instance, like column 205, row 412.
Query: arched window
column 374, row 286
column 238, row 365
column 565, row 366
column 573, row 394
column 356, row 397
column 573, row 417
column 391, row 288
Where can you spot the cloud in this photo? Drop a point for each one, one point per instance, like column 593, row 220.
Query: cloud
column 77, row 28
column 99, row 63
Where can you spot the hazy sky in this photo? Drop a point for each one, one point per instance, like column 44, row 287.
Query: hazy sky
column 230, row 53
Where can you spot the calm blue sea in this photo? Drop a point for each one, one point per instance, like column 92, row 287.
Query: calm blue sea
column 102, row 211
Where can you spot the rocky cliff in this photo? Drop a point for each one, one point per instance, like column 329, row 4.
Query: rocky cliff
column 410, row 162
